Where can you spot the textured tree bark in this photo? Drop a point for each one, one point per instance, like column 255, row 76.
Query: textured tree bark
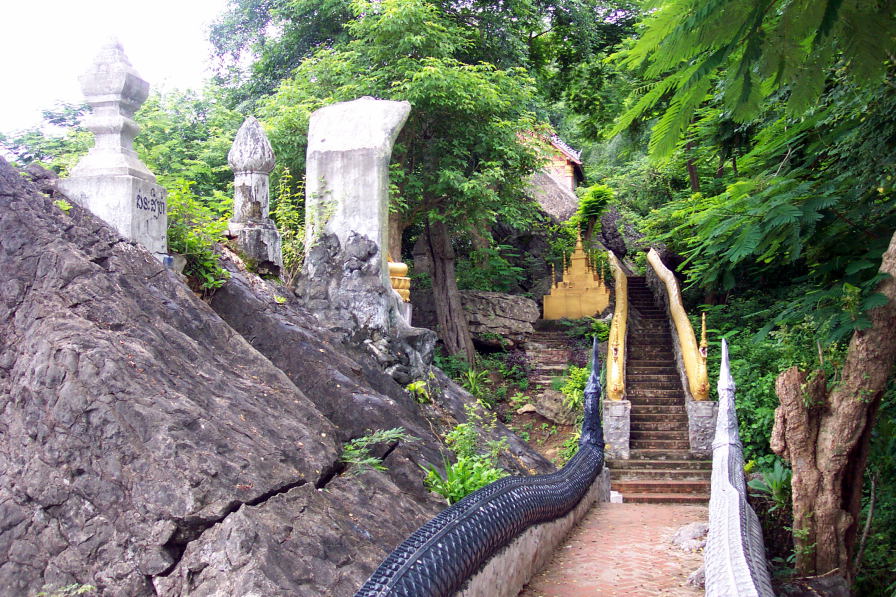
column 693, row 177
column 452, row 319
column 825, row 432
column 396, row 229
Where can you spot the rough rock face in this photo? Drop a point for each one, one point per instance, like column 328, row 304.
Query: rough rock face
column 147, row 448
column 495, row 319
column 553, row 196
column 343, row 287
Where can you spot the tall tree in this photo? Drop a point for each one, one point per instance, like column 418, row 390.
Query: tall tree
column 460, row 161
column 814, row 194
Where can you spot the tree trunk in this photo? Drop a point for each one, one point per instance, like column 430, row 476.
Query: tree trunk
column 692, row 170
column 452, row 319
column 825, row 432
column 396, row 229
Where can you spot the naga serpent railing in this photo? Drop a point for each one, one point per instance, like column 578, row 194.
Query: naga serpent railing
column 439, row 557
column 734, row 557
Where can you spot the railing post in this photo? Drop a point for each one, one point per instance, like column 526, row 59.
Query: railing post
column 617, row 410
column 692, row 356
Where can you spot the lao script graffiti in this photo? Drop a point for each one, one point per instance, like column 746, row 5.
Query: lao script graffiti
column 153, row 204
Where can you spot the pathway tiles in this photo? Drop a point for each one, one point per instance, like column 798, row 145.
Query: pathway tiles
column 623, row 550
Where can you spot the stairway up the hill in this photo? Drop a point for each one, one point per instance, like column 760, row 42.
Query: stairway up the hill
column 549, row 354
column 660, row 469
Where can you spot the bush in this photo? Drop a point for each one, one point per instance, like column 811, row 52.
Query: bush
column 356, row 453
column 193, row 230
column 476, row 459
column 574, row 387
column 288, row 212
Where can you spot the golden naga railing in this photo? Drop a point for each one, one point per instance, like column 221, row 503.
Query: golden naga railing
column 616, row 344
column 694, row 356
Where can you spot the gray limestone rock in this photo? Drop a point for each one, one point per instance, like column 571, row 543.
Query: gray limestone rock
column 496, row 319
column 691, row 537
column 549, row 404
column 147, row 447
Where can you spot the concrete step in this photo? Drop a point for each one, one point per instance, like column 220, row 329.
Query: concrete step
column 648, row 432
column 649, row 464
column 653, row 378
column 665, row 498
column 659, row 444
column 651, row 370
column 662, row 423
column 658, row 454
column 661, row 474
column 639, row 387
column 660, row 486
column 639, row 394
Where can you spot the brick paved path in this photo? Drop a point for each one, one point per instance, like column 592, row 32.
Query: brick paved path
column 623, row 550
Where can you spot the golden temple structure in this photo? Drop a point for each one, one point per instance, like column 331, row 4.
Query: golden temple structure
column 581, row 293
column 398, row 276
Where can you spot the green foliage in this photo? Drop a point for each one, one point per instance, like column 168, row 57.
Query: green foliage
column 288, row 212
column 476, row 458
column 57, row 144
column 185, row 135
column 459, row 156
column 592, row 203
column 775, row 484
column 473, row 381
column 62, row 204
column 193, row 230
column 746, row 52
column 419, row 390
column 489, row 269
column 68, row 591
column 357, row 452
column 877, row 572
column 574, row 387
column 586, row 328
column 569, row 448
column 462, row 477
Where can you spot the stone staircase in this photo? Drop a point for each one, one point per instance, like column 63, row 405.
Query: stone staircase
column 661, row 468
column 549, row 354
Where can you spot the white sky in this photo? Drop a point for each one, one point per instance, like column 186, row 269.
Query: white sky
column 46, row 44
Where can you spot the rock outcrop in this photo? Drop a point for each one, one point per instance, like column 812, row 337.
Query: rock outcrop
column 148, row 447
column 496, row 319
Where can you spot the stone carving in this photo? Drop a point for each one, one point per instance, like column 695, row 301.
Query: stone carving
column 252, row 160
column 110, row 180
column 734, row 558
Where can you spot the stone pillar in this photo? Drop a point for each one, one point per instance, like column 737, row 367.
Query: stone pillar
column 701, row 426
column 252, row 160
column 617, row 427
column 347, row 176
column 110, row 180
column 345, row 277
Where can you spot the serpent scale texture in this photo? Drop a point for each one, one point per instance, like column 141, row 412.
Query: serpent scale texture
column 439, row 557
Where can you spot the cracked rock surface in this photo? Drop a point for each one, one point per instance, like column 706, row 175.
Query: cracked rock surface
column 149, row 447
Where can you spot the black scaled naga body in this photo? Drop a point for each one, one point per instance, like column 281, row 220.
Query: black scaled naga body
column 439, row 557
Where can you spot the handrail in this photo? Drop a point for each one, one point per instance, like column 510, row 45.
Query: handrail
column 616, row 343
column 734, row 557
column 694, row 355
column 443, row 554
